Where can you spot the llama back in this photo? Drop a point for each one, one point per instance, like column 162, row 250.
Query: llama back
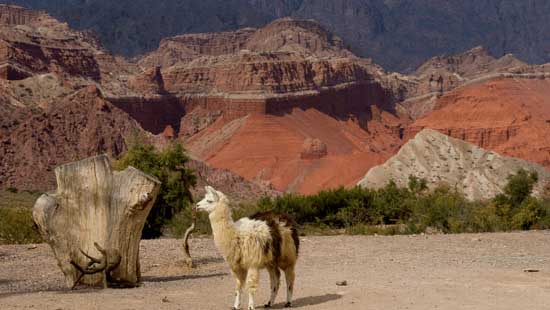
column 286, row 243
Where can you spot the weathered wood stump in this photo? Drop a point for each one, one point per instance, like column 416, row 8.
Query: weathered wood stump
column 94, row 220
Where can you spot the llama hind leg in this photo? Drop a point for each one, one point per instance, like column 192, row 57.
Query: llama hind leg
column 252, row 280
column 289, row 277
column 274, row 277
column 240, row 278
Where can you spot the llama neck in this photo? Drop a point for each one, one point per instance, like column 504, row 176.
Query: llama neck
column 223, row 228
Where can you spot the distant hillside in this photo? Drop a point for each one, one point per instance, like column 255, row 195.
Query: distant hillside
column 398, row 34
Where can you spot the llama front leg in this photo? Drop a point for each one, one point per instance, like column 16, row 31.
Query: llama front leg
column 289, row 277
column 252, row 280
column 274, row 277
column 240, row 278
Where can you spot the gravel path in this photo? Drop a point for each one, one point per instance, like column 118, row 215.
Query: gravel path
column 469, row 271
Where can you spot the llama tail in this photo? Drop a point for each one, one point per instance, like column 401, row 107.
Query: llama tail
column 295, row 237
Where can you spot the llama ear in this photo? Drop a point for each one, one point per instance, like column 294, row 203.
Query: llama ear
column 220, row 194
column 210, row 190
column 214, row 194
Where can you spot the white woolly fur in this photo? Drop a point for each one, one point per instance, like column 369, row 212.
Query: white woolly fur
column 243, row 245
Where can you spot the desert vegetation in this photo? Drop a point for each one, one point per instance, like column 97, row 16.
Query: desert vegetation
column 415, row 209
column 16, row 224
column 390, row 210
column 168, row 165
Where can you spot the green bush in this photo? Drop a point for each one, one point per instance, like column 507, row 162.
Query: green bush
column 520, row 186
column 17, row 226
column 168, row 165
column 530, row 214
column 415, row 209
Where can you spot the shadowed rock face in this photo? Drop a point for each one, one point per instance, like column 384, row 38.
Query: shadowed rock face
column 440, row 159
column 80, row 125
column 33, row 42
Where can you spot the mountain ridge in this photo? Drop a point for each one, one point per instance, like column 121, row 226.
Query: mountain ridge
column 399, row 35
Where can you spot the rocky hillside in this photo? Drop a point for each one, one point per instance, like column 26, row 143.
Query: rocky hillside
column 509, row 116
column 285, row 107
column 283, row 35
column 445, row 73
column 399, row 35
column 323, row 108
column 440, row 159
column 56, row 88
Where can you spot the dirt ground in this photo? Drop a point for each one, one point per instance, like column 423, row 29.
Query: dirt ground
column 470, row 271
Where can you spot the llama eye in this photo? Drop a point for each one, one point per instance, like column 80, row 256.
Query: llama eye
column 209, row 201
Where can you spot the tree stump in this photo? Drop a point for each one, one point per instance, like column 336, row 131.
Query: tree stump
column 93, row 222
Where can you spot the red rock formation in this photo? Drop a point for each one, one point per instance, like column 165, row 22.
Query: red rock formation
column 16, row 15
column 184, row 48
column 445, row 73
column 268, row 148
column 285, row 106
column 153, row 113
column 252, row 97
column 169, row 133
column 262, row 73
column 148, row 82
column 298, row 36
column 284, row 35
column 33, row 42
column 509, row 116
column 79, row 126
column 313, row 149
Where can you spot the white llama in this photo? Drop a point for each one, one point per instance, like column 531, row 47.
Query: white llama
column 265, row 240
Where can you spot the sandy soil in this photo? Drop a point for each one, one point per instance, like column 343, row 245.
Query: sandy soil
column 481, row 271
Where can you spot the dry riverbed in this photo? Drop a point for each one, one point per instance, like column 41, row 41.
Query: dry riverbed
column 469, row 271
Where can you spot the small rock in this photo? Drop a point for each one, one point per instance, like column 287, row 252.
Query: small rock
column 531, row 270
column 165, row 299
column 342, row 283
column 31, row 247
column 155, row 265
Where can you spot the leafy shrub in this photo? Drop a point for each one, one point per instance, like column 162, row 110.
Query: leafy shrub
column 389, row 209
column 520, row 186
column 531, row 213
column 168, row 165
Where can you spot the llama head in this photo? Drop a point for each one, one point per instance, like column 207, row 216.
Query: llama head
column 210, row 200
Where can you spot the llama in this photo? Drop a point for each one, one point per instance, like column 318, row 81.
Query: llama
column 264, row 240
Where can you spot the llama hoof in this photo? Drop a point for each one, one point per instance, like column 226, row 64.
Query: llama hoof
column 268, row 305
column 251, row 308
column 233, row 308
column 288, row 305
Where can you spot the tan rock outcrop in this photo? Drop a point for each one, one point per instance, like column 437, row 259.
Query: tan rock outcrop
column 313, row 149
column 443, row 160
